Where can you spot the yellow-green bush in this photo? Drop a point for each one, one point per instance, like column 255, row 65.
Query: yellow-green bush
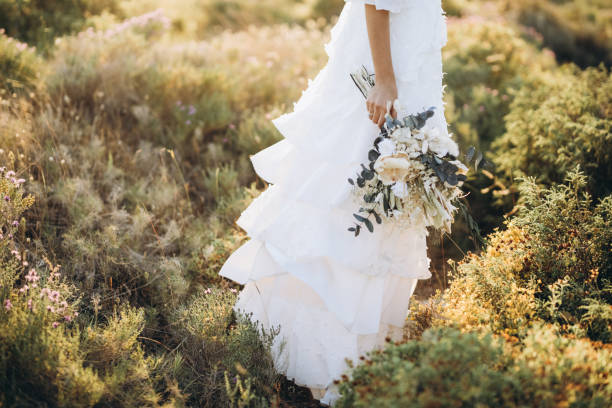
column 485, row 63
column 553, row 262
column 38, row 22
column 217, row 346
column 20, row 67
column 449, row 368
column 577, row 30
column 560, row 120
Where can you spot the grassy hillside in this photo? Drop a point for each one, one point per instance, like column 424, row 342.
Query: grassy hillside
column 126, row 128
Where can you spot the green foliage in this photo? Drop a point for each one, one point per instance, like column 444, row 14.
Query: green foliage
column 19, row 66
column 560, row 120
column 38, row 22
column 225, row 358
column 553, row 262
column 136, row 147
column 485, row 62
column 577, row 30
column 327, row 8
column 447, row 367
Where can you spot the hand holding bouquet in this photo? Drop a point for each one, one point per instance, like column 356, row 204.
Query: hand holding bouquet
column 413, row 176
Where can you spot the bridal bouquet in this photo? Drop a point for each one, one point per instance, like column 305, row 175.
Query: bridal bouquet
column 413, row 175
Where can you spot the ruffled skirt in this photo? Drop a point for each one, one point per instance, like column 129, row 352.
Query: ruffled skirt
column 334, row 296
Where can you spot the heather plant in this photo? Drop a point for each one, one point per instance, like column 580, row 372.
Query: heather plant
column 559, row 120
column 448, row 367
column 20, row 67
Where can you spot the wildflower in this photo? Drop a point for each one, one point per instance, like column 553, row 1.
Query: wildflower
column 10, row 174
column 188, row 122
column 16, row 223
column 75, row 314
column 30, row 304
column 23, row 289
column 208, row 291
column 44, row 292
column 7, row 304
column 68, row 318
column 192, row 110
column 233, row 290
column 481, row 108
column 50, row 309
column 19, row 181
column 7, row 198
column 55, row 324
column 231, row 126
column 32, row 276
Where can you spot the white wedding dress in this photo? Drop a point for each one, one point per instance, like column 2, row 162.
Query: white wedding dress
column 336, row 296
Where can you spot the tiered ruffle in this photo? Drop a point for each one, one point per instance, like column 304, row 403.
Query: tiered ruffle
column 334, row 296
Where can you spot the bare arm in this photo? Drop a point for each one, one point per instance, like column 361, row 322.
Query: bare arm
column 385, row 89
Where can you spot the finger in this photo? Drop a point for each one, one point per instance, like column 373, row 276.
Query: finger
column 379, row 115
column 393, row 113
column 381, row 120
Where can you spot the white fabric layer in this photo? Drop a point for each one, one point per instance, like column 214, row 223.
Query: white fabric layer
column 336, row 296
column 394, row 6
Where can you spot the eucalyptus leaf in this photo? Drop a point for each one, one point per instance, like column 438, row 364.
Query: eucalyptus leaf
column 373, row 155
column 469, row 155
column 359, row 218
column 368, row 225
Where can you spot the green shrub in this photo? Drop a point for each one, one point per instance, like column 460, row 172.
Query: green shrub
column 20, row 67
column 219, row 347
column 578, row 30
column 38, row 22
column 327, row 8
column 560, row 120
column 485, row 62
column 237, row 14
column 553, row 263
column 449, row 368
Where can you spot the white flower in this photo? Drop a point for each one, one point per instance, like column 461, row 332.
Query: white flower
column 402, row 135
column 386, row 147
column 425, row 147
column 400, row 189
column 392, row 168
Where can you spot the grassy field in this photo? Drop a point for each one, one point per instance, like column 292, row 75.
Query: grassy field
column 125, row 133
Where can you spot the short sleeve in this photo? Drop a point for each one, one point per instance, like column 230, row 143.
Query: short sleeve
column 394, row 6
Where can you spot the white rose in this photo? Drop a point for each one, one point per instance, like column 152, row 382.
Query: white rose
column 391, row 169
column 402, row 135
column 386, row 147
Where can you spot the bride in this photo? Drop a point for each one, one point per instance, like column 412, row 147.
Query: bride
column 336, row 296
